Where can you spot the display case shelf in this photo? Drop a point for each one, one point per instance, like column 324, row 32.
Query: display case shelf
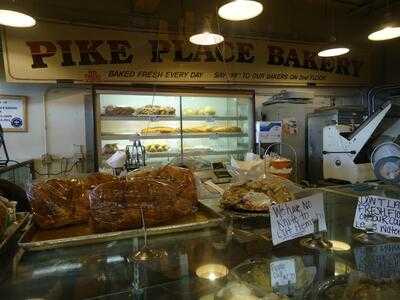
column 195, row 153
column 153, row 118
column 112, row 136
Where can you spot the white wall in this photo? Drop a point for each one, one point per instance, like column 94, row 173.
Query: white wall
column 65, row 121
column 30, row 144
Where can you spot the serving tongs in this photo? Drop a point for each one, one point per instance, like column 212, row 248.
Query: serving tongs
column 135, row 156
column 318, row 240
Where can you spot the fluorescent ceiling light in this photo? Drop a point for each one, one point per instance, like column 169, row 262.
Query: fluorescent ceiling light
column 16, row 19
column 331, row 52
column 384, row 34
column 239, row 10
column 206, row 39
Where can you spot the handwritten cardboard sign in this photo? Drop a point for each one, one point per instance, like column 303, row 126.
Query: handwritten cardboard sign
column 294, row 219
column 379, row 214
column 283, row 272
column 380, row 261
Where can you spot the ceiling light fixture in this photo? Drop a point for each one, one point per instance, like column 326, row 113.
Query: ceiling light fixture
column 333, row 48
column 388, row 30
column 333, row 51
column 14, row 14
column 206, row 37
column 240, row 10
column 16, row 19
column 387, row 33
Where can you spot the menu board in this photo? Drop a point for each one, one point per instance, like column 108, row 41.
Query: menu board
column 379, row 214
column 294, row 219
column 13, row 113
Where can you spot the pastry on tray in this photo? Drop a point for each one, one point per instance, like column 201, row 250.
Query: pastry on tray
column 156, row 110
column 197, row 129
column 159, row 130
column 111, row 110
column 206, row 111
column 226, row 129
column 154, row 148
column 256, row 195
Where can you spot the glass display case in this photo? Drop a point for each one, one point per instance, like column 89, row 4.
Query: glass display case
column 174, row 126
column 207, row 263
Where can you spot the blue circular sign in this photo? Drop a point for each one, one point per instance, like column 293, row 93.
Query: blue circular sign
column 16, row 122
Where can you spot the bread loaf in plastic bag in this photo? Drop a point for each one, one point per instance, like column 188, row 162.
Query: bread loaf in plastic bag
column 60, row 202
column 163, row 195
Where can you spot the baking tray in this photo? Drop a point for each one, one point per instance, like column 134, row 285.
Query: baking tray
column 22, row 219
column 241, row 213
column 35, row 239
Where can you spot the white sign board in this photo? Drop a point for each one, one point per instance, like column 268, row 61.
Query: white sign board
column 53, row 51
column 269, row 132
column 13, row 113
column 294, row 219
column 380, row 261
column 283, row 272
column 380, row 214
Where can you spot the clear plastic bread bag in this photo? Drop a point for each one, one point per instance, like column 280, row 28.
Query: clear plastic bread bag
column 126, row 204
column 63, row 201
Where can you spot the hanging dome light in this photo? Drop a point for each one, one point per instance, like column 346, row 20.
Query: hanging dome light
column 16, row 19
column 239, row 10
column 390, row 29
column 333, row 49
column 331, row 52
column 387, row 33
column 16, row 13
column 206, row 39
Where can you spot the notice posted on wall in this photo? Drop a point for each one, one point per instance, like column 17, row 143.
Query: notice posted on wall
column 294, row 219
column 379, row 261
column 289, row 127
column 379, row 214
column 269, row 132
column 12, row 113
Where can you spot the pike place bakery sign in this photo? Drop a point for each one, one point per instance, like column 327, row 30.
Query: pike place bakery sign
column 53, row 51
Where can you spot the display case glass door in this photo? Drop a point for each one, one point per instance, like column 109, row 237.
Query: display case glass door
column 174, row 127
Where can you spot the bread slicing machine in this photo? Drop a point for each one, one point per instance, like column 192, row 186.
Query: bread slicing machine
column 342, row 146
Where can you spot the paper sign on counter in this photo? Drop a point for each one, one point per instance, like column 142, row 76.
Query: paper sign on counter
column 283, row 272
column 380, row 214
column 294, row 219
column 380, row 261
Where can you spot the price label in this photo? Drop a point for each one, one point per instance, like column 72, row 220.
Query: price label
column 283, row 272
column 294, row 219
